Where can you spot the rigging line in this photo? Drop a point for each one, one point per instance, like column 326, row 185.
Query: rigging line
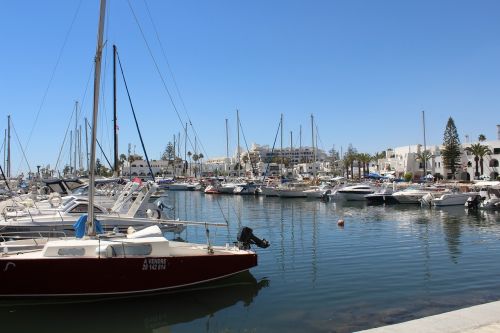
column 135, row 118
column 100, row 148
column 272, row 150
column 182, row 122
column 64, row 140
column 173, row 76
column 53, row 73
column 246, row 144
column 166, row 60
column 222, row 212
column 20, row 146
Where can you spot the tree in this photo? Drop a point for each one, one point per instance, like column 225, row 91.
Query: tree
column 200, row 157
column 189, row 155
column 424, row 156
column 377, row 157
column 451, row 151
column 481, row 137
column 478, row 150
column 195, row 159
column 168, row 153
column 365, row 159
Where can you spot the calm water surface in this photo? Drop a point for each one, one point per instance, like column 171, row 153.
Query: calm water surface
column 387, row 265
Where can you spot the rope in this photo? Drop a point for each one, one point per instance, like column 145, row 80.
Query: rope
column 20, row 146
column 135, row 118
column 164, row 83
column 52, row 76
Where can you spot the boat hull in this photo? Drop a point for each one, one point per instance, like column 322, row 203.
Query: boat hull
column 115, row 276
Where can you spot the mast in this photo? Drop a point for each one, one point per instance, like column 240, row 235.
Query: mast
column 238, row 147
column 424, row 154
column 291, row 146
column 173, row 165
column 8, row 146
column 185, row 148
column 76, row 135
column 115, row 124
column 300, row 144
column 227, row 147
column 97, row 81
column 87, row 143
column 70, row 152
column 313, row 146
column 281, row 131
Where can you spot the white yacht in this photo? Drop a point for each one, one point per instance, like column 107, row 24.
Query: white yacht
column 353, row 192
column 292, row 190
column 451, row 198
column 413, row 195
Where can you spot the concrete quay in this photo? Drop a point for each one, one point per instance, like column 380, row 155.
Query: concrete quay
column 484, row 318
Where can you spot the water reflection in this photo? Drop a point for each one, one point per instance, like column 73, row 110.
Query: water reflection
column 131, row 314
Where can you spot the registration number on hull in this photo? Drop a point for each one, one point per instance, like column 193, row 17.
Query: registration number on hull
column 154, row 264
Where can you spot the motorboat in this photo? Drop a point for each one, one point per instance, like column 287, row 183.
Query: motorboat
column 451, row 198
column 292, row 190
column 184, row 186
column 320, row 191
column 353, row 192
column 413, row 195
column 246, row 189
column 128, row 210
column 382, row 196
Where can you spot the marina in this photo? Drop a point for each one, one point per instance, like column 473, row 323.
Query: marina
column 303, row 233
column 388, row 264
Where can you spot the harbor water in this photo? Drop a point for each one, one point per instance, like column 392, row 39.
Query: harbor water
column 388, row 264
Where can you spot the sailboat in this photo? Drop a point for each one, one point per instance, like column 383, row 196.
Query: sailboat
column 116, row 264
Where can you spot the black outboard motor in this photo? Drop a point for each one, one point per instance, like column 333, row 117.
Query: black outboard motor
column 247, row 238
column 473, row 202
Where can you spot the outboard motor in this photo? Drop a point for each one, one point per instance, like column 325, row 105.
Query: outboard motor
column 247, row 238
column 473, row 202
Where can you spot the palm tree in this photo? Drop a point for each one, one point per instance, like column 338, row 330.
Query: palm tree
column 200, row 157
column 481, row 137
column 478, row 150
column 189, row 155
column 196, row 157
column 424, row 156
column 365, row 159
column 377, row 157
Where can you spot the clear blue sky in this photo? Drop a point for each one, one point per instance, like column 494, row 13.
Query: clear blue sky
column 365, row 69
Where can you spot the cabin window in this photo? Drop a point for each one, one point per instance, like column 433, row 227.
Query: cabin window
column 496, row 151
column 120, row 250
column 71, row 251
column 83, row 208
column 73, row 185
column 56, row 188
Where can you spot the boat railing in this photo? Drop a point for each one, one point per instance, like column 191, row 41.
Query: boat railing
column 31, row 235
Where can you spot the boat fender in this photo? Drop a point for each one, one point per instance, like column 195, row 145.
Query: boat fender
column 246, row 238
column 153, row 213
column 340, row 222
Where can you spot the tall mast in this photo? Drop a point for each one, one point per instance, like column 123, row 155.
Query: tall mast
column 281, row 131
column 291, row 147
column 227, row 147
column 115, row 124
column 174, row 157
column 425, row 146
column 87, row 144
column 4, row 150
column 300, row 144
column 8, row 146
column 76, row 136
column 313, row 146
column 185, row 146
column 238, row 147
column 97, row 82
column 71, row 152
